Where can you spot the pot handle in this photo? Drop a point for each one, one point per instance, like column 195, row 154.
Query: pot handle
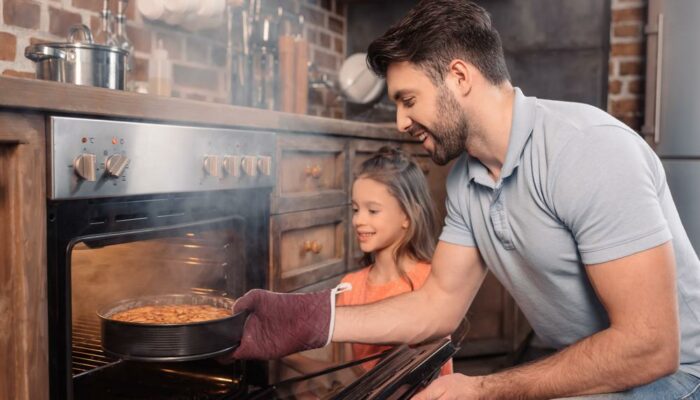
column 39, row 52
column 79, row 28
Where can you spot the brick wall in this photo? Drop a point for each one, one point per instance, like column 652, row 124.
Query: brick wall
column 627, row 55
column 198, row 58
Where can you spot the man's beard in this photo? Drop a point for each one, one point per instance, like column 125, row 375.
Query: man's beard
column 451, row 130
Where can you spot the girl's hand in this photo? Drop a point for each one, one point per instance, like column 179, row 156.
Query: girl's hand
column 451, row 387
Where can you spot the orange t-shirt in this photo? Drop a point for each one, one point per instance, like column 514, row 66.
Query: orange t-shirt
column 364, row 292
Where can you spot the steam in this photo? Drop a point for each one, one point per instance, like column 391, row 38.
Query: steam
column 193, row 263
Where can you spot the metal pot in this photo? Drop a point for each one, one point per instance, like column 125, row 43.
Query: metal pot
column 171, row 342
column 80, row 61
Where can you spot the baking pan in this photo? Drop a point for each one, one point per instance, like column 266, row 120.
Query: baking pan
column 170, row 342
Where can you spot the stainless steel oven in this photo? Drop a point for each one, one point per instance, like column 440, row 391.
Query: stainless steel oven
column 140, row 209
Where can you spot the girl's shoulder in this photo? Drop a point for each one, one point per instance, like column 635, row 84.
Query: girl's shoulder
column 356, row 277
column 419, row 273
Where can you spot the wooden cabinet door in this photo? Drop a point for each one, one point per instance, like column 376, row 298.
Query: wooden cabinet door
column 307, row 247
column 312, row 173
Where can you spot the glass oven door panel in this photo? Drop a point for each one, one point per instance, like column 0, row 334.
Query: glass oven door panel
column 200, row 262
column 203, row 258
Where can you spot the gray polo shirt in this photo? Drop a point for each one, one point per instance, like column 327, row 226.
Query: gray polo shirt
column 577, row 187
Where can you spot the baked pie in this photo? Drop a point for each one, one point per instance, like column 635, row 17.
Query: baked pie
column 172, row 314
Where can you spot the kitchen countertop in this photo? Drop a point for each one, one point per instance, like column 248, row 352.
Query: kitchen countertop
column 46, row 96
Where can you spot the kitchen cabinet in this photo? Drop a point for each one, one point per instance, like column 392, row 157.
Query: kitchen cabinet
column 312, row 173
column 23, row 326
column 307, row 247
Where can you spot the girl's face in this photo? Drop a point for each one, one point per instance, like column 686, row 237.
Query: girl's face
column 377, row 217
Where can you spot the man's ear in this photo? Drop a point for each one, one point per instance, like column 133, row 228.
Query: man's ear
column 461, row 75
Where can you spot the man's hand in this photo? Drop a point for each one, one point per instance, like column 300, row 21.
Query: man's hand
column 451, row 387
column 280, row 324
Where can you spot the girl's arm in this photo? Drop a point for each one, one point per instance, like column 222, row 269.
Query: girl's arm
column 433, row 311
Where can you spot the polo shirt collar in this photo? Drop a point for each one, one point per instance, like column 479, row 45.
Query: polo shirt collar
column 520, row 131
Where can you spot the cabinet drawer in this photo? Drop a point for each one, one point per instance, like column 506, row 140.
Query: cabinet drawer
column 307, row 247
column 312, row 173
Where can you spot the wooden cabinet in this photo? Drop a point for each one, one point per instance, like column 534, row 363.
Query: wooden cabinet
column 312, row 172
column 308, row 247
column 23, row 327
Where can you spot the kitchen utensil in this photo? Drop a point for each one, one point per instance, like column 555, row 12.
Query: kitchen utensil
column 171, row 342
column 357, row 82
column 80, row 61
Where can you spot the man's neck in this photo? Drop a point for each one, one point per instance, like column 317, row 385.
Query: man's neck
column 489, row 140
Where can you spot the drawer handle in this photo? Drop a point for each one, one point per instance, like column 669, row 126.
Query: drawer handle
column 314, row 172
column 312, row 246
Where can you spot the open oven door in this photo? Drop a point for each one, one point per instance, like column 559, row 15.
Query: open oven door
column 399, row 374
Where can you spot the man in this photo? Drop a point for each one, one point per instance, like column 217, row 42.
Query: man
column 566, row 206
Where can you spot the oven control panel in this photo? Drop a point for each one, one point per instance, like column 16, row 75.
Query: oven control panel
column 90, row 158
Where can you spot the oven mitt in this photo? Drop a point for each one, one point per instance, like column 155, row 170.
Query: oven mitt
column 280, row 324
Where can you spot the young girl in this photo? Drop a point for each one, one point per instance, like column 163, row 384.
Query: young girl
column 396, row 226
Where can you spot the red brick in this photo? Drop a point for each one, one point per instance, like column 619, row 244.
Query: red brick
column 315, row 97
column 18, row 74
column 614, row 87
column 92, row 5
column 631, row 68
column 325, row 60
column 628, row 30
column 312, row 35
column 35, row 40
column 336, row 25
column 21, row 13
column 313, row 17
column 626, row 49
column 633, row 121
column 626, row 106
column 201, row 78
column 324, row 40
column 140, row 38
column 60, row 20
column 340, row 8
column 636, row 86
column 140, row 72
column 629, row 14
column 339, row 47
column 8, row 46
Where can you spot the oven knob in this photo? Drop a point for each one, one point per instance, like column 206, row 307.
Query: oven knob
column 115, row 164
column 84, row 166
column 232, row 166
column 265, row 165
column 211, row 165
column 249, row 164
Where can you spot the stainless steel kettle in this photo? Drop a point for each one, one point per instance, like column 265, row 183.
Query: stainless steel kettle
column 80, row 61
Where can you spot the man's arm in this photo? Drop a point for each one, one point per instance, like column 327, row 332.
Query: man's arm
column 433, row 311
column 641, row 345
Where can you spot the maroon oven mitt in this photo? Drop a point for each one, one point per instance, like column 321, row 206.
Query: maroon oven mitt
column 280, row 324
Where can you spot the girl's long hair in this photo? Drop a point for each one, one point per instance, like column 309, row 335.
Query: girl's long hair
column 406, row 182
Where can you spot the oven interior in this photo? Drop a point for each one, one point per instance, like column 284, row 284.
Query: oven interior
column 106, row 250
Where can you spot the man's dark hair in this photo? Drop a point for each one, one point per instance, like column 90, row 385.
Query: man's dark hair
column 434, row 33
